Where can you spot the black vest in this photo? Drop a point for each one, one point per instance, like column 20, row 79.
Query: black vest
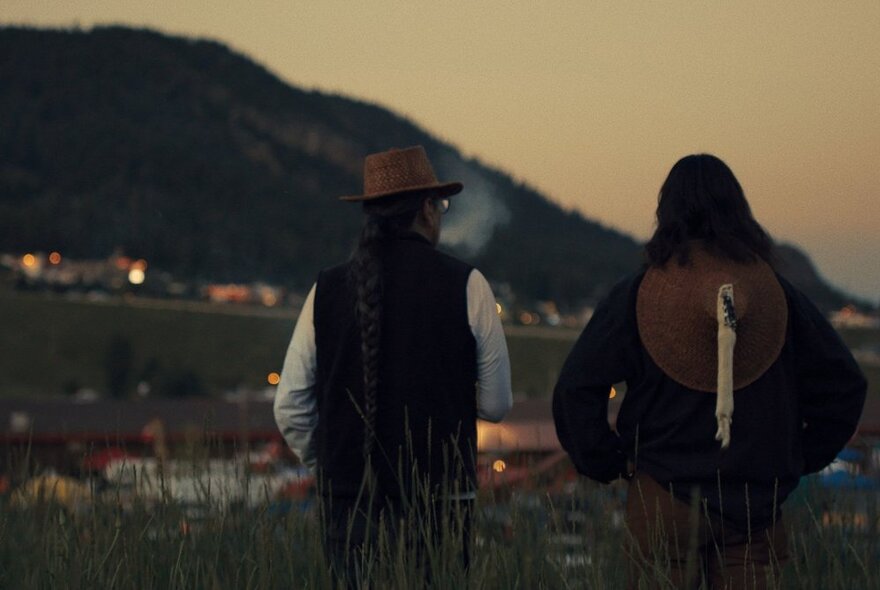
column 426, row 411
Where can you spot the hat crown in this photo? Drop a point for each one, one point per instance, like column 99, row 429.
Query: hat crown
column 397, row 170
column 401, row 172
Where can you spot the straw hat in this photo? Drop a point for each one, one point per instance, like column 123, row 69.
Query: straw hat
column 401, row 172
column 677, row 314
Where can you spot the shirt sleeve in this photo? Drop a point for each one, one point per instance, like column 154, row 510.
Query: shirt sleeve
column 296, row 411
column 831, row 387
column 494, row 395
column 580, row 398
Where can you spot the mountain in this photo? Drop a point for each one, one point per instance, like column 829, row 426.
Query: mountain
column 795, row 265
column 187, row 154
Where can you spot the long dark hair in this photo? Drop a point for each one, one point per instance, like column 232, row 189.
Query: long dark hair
column 701, row 199
column 383, row 219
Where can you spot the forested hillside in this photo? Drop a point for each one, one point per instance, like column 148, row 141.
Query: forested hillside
column 187, row 154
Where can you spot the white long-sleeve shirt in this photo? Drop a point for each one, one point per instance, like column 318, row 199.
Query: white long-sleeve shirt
column 296, row 411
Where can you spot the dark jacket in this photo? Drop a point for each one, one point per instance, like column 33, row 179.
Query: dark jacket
column 426, row 414
column 793, row 420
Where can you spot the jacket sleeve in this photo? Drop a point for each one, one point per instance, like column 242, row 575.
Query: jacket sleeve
column 296, row 409
column 580, row 398
column 494, row 395
column 831, row 387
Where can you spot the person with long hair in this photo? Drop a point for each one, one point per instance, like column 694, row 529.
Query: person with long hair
column 736, row 386
column 395, row 355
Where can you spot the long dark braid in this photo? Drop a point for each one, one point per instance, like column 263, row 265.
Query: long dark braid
column 384, row 219
column 367, row 268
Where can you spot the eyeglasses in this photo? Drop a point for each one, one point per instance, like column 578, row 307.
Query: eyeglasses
column 442, row 205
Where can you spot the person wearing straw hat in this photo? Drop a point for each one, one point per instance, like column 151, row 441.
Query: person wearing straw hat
column 736, row 386
column 395, row 355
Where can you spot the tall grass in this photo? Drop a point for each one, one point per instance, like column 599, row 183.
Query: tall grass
column 526, row 539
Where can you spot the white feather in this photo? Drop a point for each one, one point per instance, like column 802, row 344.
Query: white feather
column 726, row 344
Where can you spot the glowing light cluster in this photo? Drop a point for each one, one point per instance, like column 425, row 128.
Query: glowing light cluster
column 136, row 276
column 499, row 466
column 527, row 318
column 137, row 270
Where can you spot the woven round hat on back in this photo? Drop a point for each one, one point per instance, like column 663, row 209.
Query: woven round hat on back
column 676, row 310
column 399, row 172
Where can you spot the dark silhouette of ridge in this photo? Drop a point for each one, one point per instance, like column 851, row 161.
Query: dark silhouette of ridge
column 196, row 158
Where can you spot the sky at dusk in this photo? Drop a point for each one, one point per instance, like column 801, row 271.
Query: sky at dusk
column 592, row 102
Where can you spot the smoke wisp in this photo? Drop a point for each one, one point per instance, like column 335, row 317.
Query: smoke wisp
column 475, row 213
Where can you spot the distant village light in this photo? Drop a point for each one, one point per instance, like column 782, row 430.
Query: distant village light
column 139, row 264
column 499, row 466
column 55, row 258
column 136, row 276
column 29, row 260
column 273, row 378
column 123, row 262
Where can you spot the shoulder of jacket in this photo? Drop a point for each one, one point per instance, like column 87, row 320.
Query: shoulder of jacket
column 453, row 262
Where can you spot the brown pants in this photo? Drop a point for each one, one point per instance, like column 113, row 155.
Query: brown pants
column 676, row 545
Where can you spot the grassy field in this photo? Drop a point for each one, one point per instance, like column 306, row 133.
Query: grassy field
column 531, row 540
column 50, row 345
column 527, row 539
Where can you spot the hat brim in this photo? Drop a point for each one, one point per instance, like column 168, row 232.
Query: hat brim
column 447, row 189
column 678, row 325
